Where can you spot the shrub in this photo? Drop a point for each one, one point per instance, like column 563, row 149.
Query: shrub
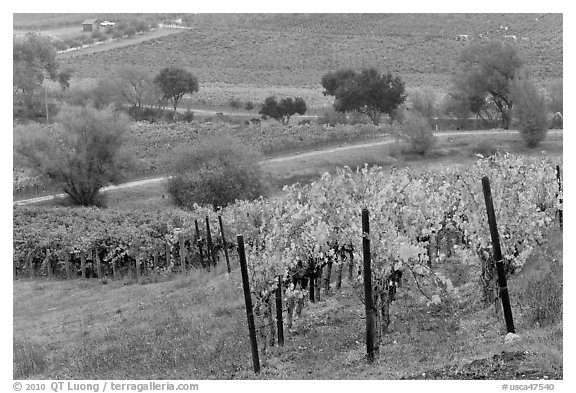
column 424, row 102
column 417, row 132
column 117, row 33
column 530, row 110
column 98, row 35
column 81, row 153
column 217, row 171
column 188, row 116
column 87, row 40
column 484, row 147
column 332, row 118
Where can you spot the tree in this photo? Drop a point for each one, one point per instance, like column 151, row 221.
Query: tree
column 234, row 103
column 217, row 171
column 368, row 92
column 174, row 82
column 82, row 152
column 485, row 71
column 283, row 110
column 136, row 87
column 34, row 60
column 249, row 105
column 530, row 109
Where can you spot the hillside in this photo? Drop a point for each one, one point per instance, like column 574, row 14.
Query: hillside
column 295, row 50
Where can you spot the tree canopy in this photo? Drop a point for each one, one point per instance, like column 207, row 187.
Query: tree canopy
column 174, row 82
column 283, row 110
column 81, row 152
column 367, row 92
column 34, row 60
column 485, row 71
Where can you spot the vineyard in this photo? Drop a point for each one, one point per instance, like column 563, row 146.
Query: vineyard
column 429, row 236
column 296, row 50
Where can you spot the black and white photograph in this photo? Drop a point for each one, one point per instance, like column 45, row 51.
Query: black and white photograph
column 259, row 194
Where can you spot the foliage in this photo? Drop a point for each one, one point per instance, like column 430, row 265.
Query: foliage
column 217, row 171
column 136, row 87
column 249, row 105
column 81, row 153
column 174, row 82
column 331, row 117
column 417, row 132
column 282, row 110
column 421, row 47
column 34, row 60
column 485, row 71
column 530, row 109
column 455, row 105
column 424, row 102
column 556, row 97
column 367, row 91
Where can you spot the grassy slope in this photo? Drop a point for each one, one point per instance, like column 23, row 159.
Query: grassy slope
column 264, row 51
column 193, row 327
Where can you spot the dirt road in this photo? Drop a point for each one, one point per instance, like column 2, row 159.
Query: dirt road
column 279, row 159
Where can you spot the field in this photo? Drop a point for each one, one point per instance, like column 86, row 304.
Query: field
column 277, row 51
column 194, row 328
column 130, row 291
column 186, row 326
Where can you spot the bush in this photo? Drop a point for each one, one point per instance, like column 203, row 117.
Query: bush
column 117, row 33
column 530, row 110
column 73, row 43
column 87, row 40
column 484, row 147
column 99, row 35
column 417, row 132
column 188, row 116
column 424, row 102
column 81, row 153
column 217, row 171
column 332, row 118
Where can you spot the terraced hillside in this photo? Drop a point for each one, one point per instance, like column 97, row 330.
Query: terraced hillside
column 264, row 50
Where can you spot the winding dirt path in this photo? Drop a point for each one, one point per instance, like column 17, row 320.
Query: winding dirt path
column 277, row 160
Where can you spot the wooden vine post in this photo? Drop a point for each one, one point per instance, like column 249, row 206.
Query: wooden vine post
column 248, row 301
column 210, row 244
column 224, row 243
column 279, row 321
column 559, row 180
column 497, row 255
column 368, row 299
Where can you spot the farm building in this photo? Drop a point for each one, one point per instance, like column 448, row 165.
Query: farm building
column 90, row 25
